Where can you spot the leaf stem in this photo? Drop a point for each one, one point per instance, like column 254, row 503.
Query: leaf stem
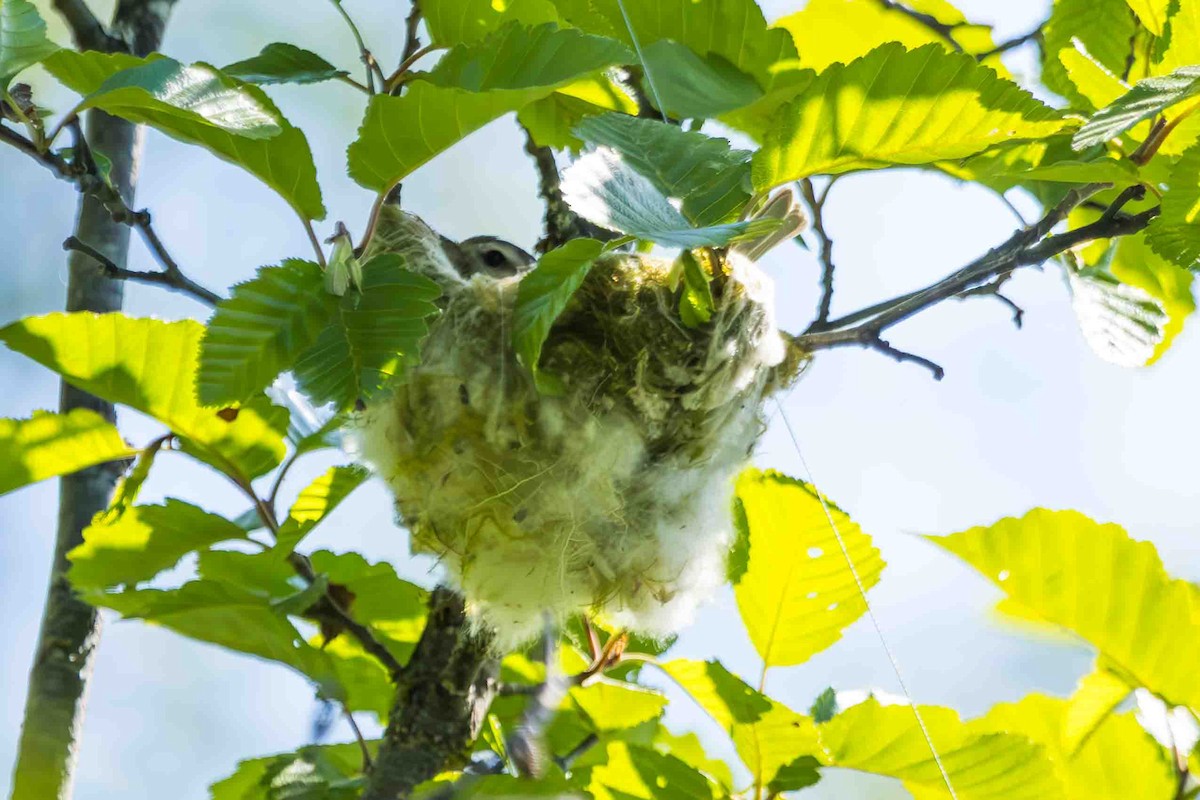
column 373, row 70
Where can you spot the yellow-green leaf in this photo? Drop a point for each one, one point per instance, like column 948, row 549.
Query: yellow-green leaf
column 1105, row 28
column 1175, row 233
column 1152, row 13
column 141, row 542
column 798, row 594
column 1095, row 698
column 1091, row 79
column 612, row 705
column 1095, row 581
column 150, row 365
column 317, row 501
column 48, row 445
column 886, row 740
column 452, row 22
column 628, row 772
column 897, row 107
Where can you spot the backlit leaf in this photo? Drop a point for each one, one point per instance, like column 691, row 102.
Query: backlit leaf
column 1091, row 79
column 48, row 445
column 693, row 86
column 1104, row 28
column 150, row 365
column 898, row 107
column 143, row 541
column 1175, row 233
column 798, row 593
column 260, row 329
column 253, row 778
column 552, row 120
column 1148, row 98
column 235, row 121
column 452, row 22
column 768, row 736
column 1096, row 696
column 372, row 336
column 317, row 501
column 1095, row 581
column 1151, row 13
column 23, row 40
column 629, row 772
column 886, row 740
column 280, row 62
column 613, row 705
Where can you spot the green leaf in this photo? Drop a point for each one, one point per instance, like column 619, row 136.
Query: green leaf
column 1093, row 580
column 825, row 706
column 886, row 740
column 1105, row 28
column 1118, row 761
column 471, row 86
column 1096, row 696
column 280, row 62
column 225, row 615
column 48, row 445
column 1175, row 233
column 798, row 594
column 688, row 749
column 768, row 736
column 697, row 87
column 629, row 772
column 1092, row 80
column 1152, row 13
column 898, row 107
column 235, row 121
column 317, row 501
column 259, row 778
column 257, row 332
column 373, row 335
column 612, row 705
column 141, row 542
column 829, row 31
column 696, row 303
column 1148, row 98
column 1184, row 31
column 150, row 365
column 23, row 40
column 604, row 189
column 544, row 293
column 452, row 22
column 710, row 179
column 552, row 120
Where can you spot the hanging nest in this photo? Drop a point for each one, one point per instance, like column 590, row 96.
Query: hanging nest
column 613, row 496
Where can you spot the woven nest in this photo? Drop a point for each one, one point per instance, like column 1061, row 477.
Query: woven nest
column 613, row 497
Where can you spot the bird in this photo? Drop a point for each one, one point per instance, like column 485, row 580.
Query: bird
column 487, row 255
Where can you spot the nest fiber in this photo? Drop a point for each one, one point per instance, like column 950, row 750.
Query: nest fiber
column 613, row 496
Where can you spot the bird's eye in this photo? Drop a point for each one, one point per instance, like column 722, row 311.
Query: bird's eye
column 494, row 258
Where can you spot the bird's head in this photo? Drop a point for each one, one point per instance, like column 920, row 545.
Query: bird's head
column 487, row 255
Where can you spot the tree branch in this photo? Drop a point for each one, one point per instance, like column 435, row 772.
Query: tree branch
column 1011, row 44
column 87, row 31
column 816, row 207
column 70, row 628
column 931, row 22
column 561, row 223
column 1029, row 246
column 441, row 701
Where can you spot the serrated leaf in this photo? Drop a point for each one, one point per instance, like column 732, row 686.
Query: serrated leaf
column 1148, row 98
column 898, row 107
column 552, row 120
column 471, row 86
column 225, row 615
column 709, row 178
column 798, row 594
column 280, row 62
column 1184, row 31
column 23, row 40
column 259, row 330
column 174, row 98
column 452, row 22
column 612, row 705
column 1117, row 762
column 373, row 336
column 691, row 86
column 316, row 502
column 629, row 772
column 1095, row 581
column 604, row 189
column 1096, row 696
column 839, row 31
column 886, row 740
column 253, row 778
column 1175, row 233
column 150, row 365
column 768, row 736
column 824, row 706
column 143, row 541
column 48, row 445
column 1105, row 28
column 1092, row 80
column 688, row 749
column 544, row 293
column 1152, row 13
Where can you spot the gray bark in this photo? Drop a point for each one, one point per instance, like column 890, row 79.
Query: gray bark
column 70, row 628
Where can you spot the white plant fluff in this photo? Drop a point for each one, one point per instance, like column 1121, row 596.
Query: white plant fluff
column 613, row 497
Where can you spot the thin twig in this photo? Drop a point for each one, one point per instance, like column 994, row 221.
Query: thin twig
column 396, row 79
column 314, row 241
column 87, row 31
column 567, row 761
column 1011, row 44
column 993, row 289
column 358, row 736
column 931, row 22
column 412, row 43
column 876, row 343
column 816, row 207
column 373, row 70
column 174, row 281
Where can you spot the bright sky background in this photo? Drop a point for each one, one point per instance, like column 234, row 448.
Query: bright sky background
column 1024, row 418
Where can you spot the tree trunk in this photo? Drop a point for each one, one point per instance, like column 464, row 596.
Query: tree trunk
column 70, row 628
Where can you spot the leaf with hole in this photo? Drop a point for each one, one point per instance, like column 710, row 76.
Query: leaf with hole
column 48, row 445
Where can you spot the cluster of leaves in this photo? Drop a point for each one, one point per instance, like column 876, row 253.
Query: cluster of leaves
column 841, row 86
